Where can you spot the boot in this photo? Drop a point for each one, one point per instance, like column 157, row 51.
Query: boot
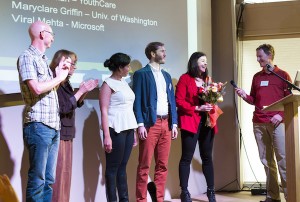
column 110, row 184
column 211, row 195
column 185, row 196
column 122, row 188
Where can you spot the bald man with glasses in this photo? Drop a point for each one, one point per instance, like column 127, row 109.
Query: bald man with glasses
column 41, row 123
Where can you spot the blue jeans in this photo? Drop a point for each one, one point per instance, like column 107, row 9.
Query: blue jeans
column 42, row 143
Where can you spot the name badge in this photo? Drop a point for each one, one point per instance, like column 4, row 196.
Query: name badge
column 264, row 83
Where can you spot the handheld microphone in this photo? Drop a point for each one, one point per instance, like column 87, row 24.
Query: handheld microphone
column 233, row 83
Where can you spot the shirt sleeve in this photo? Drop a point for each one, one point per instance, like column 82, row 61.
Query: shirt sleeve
column 27, row 67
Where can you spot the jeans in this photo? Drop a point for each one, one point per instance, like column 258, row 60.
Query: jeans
column 42, row 143
column 116, row 162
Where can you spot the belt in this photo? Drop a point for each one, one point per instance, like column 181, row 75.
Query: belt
column 162, row 116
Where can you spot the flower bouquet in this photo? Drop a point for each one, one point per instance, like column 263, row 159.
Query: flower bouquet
column 213, row 93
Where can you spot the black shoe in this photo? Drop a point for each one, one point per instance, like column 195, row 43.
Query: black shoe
column 185, row 196
column 152, row 191
column 270, row 200
column 211, row 195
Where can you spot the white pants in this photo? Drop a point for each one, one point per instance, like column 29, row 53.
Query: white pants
column 270, row 141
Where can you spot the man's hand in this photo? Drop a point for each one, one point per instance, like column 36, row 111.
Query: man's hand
column 174, row 133
column 142, row 133
column 240, row 92
column 276, row 120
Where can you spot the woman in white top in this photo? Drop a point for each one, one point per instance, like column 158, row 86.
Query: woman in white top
column 118, row 123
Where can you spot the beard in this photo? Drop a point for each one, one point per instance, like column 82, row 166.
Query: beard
column 159, row 60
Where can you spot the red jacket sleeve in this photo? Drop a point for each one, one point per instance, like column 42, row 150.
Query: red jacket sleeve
column 182, row 96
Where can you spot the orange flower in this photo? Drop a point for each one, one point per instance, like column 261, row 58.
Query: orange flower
column 212, row 93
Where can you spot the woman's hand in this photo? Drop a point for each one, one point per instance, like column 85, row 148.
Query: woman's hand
column 107, row 144
column 135, row 142
column 204, row 108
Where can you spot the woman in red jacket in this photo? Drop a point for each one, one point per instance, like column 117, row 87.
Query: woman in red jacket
column 192, row 115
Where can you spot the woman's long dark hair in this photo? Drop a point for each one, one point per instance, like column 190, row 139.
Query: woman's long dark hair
column 193, row 69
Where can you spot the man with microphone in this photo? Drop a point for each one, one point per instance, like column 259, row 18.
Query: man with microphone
column 268, row 126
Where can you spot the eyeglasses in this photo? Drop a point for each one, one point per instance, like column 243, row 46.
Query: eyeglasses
column 73, row 65
column 52, row 33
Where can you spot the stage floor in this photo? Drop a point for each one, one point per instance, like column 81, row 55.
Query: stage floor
column 230, row 197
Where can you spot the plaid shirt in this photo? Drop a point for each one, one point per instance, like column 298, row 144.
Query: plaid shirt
column 32, row 64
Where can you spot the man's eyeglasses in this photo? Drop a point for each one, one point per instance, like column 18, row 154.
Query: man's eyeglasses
column 52, row 33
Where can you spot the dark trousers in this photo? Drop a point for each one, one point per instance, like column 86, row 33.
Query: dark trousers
column 205, row 138
column 116, row 161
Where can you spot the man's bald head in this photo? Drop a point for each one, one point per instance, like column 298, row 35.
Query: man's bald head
column 35, row 29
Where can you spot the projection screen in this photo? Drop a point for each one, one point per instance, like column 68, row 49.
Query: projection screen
column 94, row 29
